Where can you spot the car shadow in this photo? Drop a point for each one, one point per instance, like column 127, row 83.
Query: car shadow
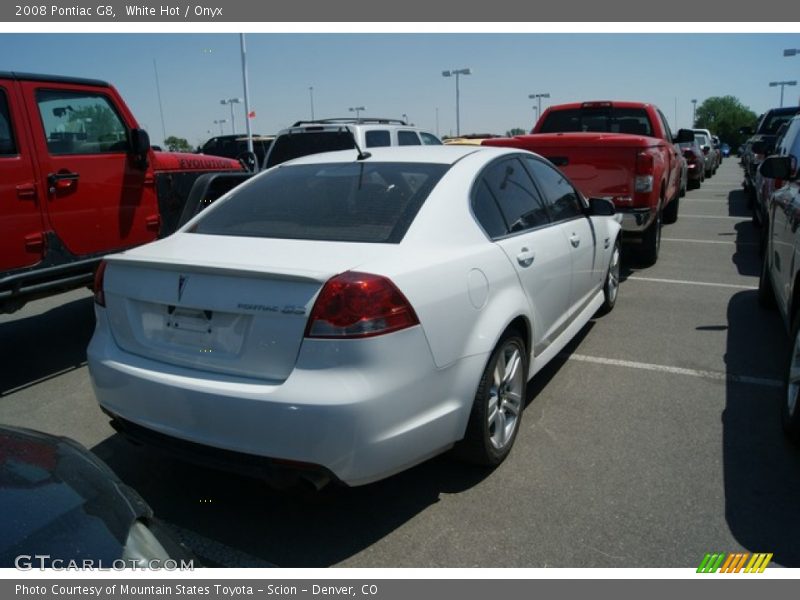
column 761, row 468
column 737, row 204
column 44, row 345
column 746, row 257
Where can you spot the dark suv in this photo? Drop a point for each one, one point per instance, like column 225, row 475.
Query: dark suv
column 761, row 143
column 235, row 146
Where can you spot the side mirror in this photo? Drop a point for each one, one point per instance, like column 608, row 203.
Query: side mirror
column 777, row 167
column 706, row 149
column 601, row 207
column 140, row 146
column 684, row 135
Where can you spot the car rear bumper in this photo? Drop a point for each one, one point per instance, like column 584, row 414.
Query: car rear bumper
column 359, row 409
column 636, row 220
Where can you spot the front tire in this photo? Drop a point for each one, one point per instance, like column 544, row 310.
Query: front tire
column 498, row 404
column 671, row 211
column 790, row 409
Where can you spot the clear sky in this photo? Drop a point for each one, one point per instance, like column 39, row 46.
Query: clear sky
column 396, row 74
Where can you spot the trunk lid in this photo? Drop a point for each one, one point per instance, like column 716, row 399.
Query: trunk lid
column 230, row 305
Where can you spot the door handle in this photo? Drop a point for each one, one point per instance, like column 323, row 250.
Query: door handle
column 525, row 257
column 26, row 191
column 575, row 240
column 63, row 180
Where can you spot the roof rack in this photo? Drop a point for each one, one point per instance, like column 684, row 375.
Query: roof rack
column 352, row 121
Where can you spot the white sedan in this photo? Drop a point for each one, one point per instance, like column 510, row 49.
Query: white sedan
column 346, row 318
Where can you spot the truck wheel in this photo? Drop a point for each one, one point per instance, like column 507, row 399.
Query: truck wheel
column 790, row 411
column 497, row 408
column 671, row 212
column 651, row 242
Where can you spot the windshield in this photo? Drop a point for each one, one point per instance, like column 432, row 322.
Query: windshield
column 347, row 202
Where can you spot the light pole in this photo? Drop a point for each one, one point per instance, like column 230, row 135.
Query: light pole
column 220, row 122
column 160, row 107
column 694, row 111
column 535, row 115
column 357, row 110
column 457, row 73
column 311, row 95
column 246, row 90
column 405, row 118
column 783, row 84
column 437, row 121
column 538, row 98
column 232, row 101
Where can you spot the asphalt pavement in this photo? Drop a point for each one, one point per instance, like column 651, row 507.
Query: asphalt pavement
column 652, row 440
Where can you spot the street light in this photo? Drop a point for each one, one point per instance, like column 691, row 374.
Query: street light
column 232, row 101
column 220, row 122
column 311, row 94
column 538, row 98
column 457, row 73
column 694, row 111
column 357, row 110
column 783, row 84
column 535, row 114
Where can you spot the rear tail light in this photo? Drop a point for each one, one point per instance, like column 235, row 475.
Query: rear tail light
column 99, row 276
column 645, row 166
column 604, row 104
column 357, row 305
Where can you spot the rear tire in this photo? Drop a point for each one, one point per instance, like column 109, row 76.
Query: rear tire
column 497, row 408
column 611, row 285
column 766, row 293
column 671, row 211
column 651, row 242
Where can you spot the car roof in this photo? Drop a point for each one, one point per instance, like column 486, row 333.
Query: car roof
column 412, row 154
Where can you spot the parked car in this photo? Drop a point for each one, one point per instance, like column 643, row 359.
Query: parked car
column 695, row 163
column 61, row 504
column 709, row 152
column 235, row 146
column 726, row 149
column 80, row 180
column 474, row 139
column 349, row 316
column 761, row 142
column 623, row 151
column 763, row 187
column 327, row 135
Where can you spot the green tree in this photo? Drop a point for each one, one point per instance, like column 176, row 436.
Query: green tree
column 723, row 116
column 98, row 122
column 176, row 144
column 515, row 131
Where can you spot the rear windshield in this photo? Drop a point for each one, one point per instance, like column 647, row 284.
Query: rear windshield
column 347, row 202
column 773, row 122
column 294, row 145
column 603, row 119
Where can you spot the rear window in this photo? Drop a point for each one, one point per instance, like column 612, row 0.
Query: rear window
column 344, row 202
column 603, row 119
column 294, row 145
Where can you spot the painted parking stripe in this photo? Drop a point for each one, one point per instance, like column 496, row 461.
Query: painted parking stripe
column 686, row 240
column 703, row 374
column 687, row 282
column 720, row 200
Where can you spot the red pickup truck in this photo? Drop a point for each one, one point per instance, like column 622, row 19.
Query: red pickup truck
column 78, row 179
column 622, row 151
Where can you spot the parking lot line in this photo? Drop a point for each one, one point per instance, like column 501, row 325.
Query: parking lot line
column 684, row 240
column 217, row 552
column 713, row 375
column 687, row 282
column 720, row 200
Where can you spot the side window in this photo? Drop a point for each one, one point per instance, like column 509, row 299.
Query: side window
column 511, row 187
column 561, row 197
column 80, row 123
column 8, row 146
column 408, row 138
column 486, row 210
column 792, row 137
column 377, row 138
column 429, row 140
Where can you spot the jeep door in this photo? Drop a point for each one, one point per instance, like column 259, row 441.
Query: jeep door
column 21, row 226
column 98, row 198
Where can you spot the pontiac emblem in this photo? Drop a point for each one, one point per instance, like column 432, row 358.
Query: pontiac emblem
column 181, row 284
